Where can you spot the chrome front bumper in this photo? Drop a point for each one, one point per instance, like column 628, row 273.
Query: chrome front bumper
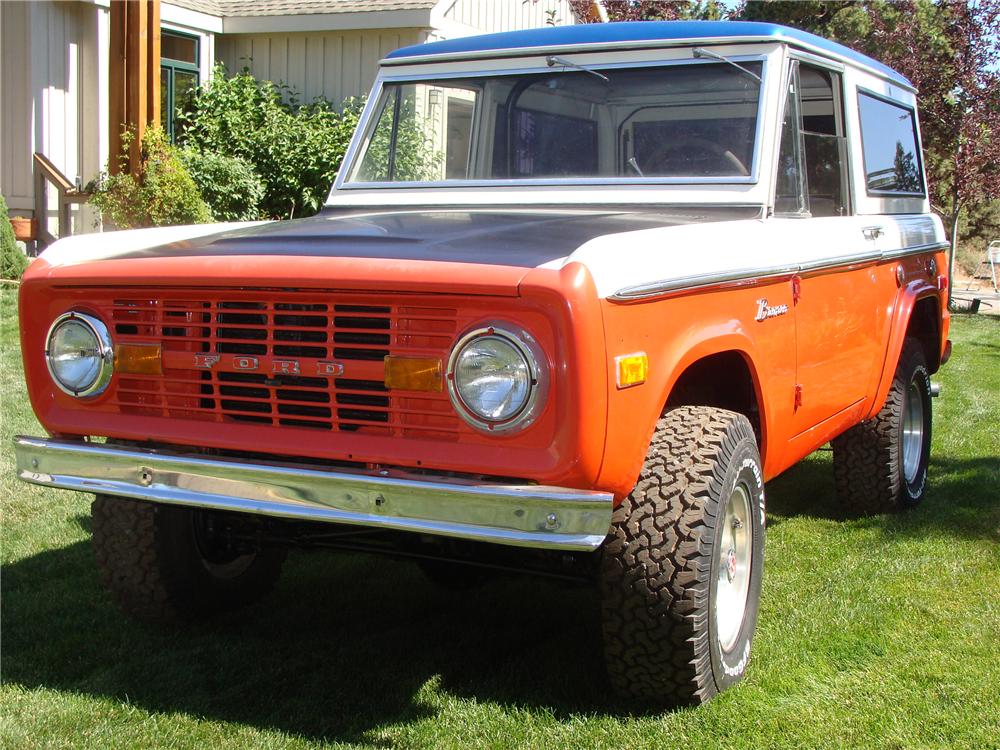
column 520, row 515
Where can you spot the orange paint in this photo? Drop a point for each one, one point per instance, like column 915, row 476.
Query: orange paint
column 828, row 345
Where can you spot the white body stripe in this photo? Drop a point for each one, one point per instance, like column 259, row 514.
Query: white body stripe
column 619, row 261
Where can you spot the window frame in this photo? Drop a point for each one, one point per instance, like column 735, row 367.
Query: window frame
column 838, row 88
column 170, row 66
column 912, row 111
column 359, row 144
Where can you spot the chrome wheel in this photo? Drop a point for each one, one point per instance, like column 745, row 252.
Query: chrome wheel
column 734, row 555
column 913, row 431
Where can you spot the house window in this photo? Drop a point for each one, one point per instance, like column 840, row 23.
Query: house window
column 179, row 57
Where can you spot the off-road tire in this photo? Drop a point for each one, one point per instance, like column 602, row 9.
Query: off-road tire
column 150, row 560
column 659, row 564
column 868, row 467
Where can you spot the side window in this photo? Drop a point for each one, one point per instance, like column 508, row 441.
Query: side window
column 889, row 147
column 812, row 174
column 790, row 190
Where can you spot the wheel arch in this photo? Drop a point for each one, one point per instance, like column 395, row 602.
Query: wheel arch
column 726, row 379
column 917, row 315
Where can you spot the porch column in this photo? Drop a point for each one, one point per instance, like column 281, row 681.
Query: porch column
column 133, row 77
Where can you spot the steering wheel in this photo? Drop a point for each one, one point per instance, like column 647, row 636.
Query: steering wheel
column 689, row 143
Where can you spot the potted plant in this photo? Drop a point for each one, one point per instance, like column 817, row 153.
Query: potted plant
column 25, row 229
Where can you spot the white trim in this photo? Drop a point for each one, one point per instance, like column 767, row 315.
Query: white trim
column 189, row 19
column 645, row 44
column 314, row 22
column 515, row 191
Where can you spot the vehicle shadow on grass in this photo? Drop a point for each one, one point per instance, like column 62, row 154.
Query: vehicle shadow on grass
column 341, row 649
column 960, row 500
column 346, row 645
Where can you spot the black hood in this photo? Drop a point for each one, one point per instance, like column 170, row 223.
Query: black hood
column 524, row 238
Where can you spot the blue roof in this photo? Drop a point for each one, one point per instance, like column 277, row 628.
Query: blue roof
column 638, row 32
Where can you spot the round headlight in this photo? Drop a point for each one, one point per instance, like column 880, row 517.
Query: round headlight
column 493, row 377
column 79, row 354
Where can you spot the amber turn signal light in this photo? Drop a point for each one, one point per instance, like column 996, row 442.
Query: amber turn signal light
column 632, row 369
column 413, row 374
column 138, row 359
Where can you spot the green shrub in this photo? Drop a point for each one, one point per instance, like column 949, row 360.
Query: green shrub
column 295, row 149
column 12, row 260
column 228, row 184
column 162, row 192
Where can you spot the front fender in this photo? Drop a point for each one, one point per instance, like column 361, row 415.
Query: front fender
column 675, row 334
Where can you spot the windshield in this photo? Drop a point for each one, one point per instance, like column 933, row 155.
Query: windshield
column 690, row 121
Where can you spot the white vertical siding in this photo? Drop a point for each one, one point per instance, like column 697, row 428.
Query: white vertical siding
column 15, row 106
column 335, row 64
column 487, row 16
column 49, row 82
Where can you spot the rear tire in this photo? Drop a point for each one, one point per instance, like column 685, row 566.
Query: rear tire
column 682, row 567
column 880, row 466
column 164, row 563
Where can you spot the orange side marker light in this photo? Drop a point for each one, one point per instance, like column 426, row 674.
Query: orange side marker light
column 631, row 369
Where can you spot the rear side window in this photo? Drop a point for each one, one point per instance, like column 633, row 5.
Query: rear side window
column 889, row 146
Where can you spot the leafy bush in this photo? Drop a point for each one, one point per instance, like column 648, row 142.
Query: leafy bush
column 12, row 260
column 228, row 184
column 161, row 193
column 295, row 149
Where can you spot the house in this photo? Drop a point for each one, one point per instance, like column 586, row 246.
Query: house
column 55, row 57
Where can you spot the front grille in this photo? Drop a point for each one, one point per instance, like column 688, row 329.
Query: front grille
column 289, row 360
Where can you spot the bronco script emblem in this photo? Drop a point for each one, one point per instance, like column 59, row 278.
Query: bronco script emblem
column 277, row 366
column 765, row 311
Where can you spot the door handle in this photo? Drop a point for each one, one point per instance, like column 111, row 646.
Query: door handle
column 872, row 233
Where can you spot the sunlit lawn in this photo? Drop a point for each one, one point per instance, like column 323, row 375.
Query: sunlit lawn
column 881, row 633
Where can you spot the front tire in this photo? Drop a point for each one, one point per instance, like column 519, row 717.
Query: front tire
column 682, row 567
column 880, row 466
column 164, row 563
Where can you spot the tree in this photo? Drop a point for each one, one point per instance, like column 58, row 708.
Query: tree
column 655, row 10
column 951, row 53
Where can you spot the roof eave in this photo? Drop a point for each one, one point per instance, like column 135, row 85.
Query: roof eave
column 381, row 19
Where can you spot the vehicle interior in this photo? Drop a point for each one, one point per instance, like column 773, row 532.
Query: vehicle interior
column 689, row 121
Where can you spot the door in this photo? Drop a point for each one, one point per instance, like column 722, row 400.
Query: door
column 836, row 342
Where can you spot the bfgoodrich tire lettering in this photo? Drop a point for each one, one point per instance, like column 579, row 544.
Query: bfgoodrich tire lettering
column 877, row 465
column 660, row 564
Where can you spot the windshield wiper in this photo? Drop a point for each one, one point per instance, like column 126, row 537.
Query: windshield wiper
column 702, row 52
column 552, row 61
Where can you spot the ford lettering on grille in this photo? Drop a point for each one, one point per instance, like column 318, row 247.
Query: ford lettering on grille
column 275, row 366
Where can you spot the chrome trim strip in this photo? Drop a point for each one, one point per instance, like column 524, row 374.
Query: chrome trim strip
column 754, row 276
column 519, row 515
column 690, row 283
column 914, row 250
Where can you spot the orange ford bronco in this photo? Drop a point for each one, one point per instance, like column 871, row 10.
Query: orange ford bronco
column 576, row 295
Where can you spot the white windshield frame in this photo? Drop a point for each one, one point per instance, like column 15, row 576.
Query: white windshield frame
column 369, row 120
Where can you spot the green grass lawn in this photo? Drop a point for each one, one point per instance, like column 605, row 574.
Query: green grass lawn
column 878, row 633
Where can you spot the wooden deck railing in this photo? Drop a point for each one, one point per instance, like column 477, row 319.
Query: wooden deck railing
column 46, row 172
